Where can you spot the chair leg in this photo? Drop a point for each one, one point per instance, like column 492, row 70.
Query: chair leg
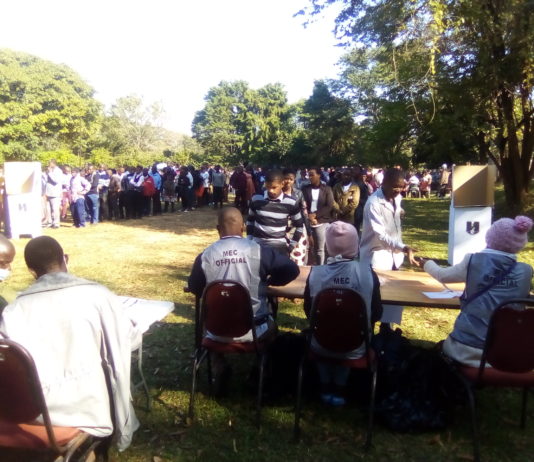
column 210, row 373
column 472, row 406
column 524, row 408
column 260, row 390
column 296, row 428
column 197, row 360
column 369, row 439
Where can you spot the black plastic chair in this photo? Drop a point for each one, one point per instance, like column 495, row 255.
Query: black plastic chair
column 225, row 310
column 509, row 350
column 338, row 321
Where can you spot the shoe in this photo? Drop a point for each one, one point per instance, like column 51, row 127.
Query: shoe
column 326, row 398
column 55, row 226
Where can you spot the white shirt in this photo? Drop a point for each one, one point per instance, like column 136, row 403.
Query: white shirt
column 381, row 243
column 315, row 199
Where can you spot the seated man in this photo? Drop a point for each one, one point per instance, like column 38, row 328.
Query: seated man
column 492, row 276
column 253, row 265
column 75, row 328
column 342, row 271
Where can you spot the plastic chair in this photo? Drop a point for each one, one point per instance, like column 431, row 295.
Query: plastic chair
column 509, row 349
column 226, row 311
column 22, row 402
column 338, row 321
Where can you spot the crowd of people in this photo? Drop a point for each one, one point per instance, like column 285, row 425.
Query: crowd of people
column 94, row 195
column 346, row 222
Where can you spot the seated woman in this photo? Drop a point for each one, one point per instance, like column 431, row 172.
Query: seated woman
column 492, row 276
column 341, row 270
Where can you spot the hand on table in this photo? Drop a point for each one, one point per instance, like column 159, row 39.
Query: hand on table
column 411, row 257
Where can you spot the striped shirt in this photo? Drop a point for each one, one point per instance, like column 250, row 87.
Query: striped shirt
column 268, row 219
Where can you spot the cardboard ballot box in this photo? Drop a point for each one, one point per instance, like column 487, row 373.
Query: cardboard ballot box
column 23, row 189
column 471, row 209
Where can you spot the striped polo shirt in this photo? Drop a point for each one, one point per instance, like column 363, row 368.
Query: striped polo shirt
column 268, row 219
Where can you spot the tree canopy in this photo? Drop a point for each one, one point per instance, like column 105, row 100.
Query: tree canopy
column 463, row 73
column 43, row 106
column 48, row 111
column 240, row 124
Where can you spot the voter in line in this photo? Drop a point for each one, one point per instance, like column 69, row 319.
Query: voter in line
column 492, row 276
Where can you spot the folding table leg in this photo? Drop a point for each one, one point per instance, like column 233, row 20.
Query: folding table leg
column 142, row 382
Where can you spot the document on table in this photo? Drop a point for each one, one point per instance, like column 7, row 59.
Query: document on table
column 443, row 294
column 145, row 312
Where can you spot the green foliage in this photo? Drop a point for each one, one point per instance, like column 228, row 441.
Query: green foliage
column 102, row 156
column 463, row 70
column 239, row 124
column 42, row 105
column 330, row 129
column 62, row 156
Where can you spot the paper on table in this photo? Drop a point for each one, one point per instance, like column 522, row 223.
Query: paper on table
column 443, row 294
column 145, row 312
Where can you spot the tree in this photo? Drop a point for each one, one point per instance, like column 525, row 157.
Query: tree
column 241, row 125
column 43, row 106
column 440, row 55
column 132, row 126
column 330, row 128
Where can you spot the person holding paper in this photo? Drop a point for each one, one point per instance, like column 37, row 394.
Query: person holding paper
column 492, row 276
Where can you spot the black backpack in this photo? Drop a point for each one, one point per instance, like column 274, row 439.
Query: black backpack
column 417, row 390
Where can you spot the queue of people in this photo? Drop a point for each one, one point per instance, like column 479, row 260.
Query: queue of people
column 95, row 195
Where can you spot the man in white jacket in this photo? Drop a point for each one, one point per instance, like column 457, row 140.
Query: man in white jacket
column 381, row 243
column 77, row 332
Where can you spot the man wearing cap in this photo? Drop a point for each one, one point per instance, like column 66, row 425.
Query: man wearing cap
column 492, row 276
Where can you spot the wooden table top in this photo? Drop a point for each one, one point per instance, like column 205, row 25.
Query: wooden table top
column 403, row 288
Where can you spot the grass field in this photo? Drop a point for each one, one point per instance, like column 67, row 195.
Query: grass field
column 151, row 258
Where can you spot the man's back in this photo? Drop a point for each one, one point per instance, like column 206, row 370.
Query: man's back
column 72, row 327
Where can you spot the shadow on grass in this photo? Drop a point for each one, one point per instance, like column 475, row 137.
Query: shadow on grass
column 191, row 223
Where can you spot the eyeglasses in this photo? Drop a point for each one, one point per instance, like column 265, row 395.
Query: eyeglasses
column 66, row 258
